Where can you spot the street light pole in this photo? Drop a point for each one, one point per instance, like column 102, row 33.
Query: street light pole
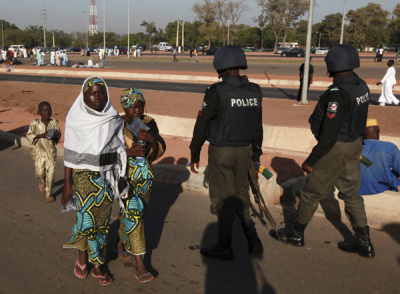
column 104, row 25
column 183, row 35
column 2, row 34
column 177, row 34
column 307, row 57
column 319, row 41
column 87, row 41
column 127, row 51
column 341, row 32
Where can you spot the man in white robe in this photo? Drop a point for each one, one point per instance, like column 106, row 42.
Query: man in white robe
column 388, row 82
column 53, row 57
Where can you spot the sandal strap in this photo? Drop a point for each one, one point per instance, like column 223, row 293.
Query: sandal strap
column 82, row 267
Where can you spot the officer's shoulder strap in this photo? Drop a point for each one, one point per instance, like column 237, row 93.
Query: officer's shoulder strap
column 212, row 87
column 335, row 89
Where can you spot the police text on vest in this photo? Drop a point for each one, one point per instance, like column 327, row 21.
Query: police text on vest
column 244, row 102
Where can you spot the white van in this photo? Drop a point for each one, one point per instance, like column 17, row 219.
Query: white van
column 15, row 47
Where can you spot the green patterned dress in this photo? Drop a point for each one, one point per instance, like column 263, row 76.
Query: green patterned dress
column 92, row 223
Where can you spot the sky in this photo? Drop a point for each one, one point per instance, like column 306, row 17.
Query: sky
column 67, row 15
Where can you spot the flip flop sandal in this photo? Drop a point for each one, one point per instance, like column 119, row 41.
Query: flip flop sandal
column 103, row 279
column 144, row 276
column 124, row 255
column 50, row 199
column 82, row 267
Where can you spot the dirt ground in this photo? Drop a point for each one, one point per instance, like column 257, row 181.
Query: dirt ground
column 19, row 100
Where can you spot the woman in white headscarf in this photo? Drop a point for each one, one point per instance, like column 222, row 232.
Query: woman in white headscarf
column 95, row 158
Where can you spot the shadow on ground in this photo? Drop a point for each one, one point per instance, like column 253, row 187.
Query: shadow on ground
column 237, row 276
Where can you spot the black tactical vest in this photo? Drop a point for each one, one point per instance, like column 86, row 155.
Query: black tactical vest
column 240, row 106
column 354, row 122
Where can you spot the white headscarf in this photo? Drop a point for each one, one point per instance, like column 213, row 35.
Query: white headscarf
column 94, row 140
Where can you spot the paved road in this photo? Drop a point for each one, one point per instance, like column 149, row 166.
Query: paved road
column 275, row 66
column 270, row 92
column 177, row 223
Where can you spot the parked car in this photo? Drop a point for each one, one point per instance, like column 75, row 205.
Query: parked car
column 280, row 49
column 294, row 52
column 122, row 50
column 247, row 49
column 164, row 46
column 321, row 50
column 142, row 46
column 73, row 49
column 211, row 51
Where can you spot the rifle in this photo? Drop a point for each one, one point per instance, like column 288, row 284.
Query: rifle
column 365, row 161
column 255, row 189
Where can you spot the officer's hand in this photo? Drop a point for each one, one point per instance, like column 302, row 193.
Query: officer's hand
column 305, row 167
column 192, row 164
column 378, row 83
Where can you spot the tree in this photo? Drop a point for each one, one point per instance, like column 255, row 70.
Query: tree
column 301, row 32
column 235, row 11
column 248, row 36
column 283, row 14
column 151, row 30
column 330, row 28
column 261, row 20
column 394, row 26
column 206, row 14
column 222, row 16
column 367, row 25
column 396, row 11
column 192, row 36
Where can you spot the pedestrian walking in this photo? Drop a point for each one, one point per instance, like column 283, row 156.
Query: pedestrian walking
column 230, row 118
column 195, row 57
column 143, row 145
column 388, row 82
column 338, row 122
column 95, row 158
column 380, row 54
column 376, row 54
column 174, row 53
column 44, row 134
column 301, row 75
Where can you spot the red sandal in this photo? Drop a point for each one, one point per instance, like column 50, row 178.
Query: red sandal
column 82, row 267
column 103, row 279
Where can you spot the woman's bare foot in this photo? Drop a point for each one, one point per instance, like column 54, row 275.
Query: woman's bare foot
column 80, row 269
column 122, row 253
column 103, row 278
column 41, row 187
column 142, row 274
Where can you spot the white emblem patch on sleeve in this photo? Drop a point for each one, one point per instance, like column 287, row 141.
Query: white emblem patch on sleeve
column 332, row 107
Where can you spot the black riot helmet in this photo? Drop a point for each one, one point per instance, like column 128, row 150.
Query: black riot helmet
column 342, row 58
column 228, row 57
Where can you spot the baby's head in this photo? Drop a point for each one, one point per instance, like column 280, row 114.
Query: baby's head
column 44, row 110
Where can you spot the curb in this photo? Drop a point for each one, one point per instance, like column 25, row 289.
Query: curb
column 172, row 77
column 382, row 209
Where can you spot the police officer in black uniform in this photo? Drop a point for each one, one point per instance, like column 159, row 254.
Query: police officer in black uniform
column 230, row 119
column 337, row 123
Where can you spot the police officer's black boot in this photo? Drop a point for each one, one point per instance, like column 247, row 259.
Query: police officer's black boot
column 291, row 235
column 221, row 250
column 361, row 245
column 255, row 245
